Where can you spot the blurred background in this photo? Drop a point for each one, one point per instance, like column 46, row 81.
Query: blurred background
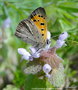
column 62, row 15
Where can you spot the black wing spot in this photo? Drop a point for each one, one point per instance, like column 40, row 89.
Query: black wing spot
column 41, row 23
column 42, row 34
column 31, row 16
column 34, row 20
column 42, row 29
column 38, row 20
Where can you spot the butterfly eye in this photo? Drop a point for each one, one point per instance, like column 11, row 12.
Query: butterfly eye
column 48, row 41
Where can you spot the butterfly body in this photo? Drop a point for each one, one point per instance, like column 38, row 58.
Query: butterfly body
column 34, row 29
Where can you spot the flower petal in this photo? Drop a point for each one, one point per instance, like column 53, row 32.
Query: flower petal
column 59, row 43
column 33, row 50
column 23, row 52
column 63, row 36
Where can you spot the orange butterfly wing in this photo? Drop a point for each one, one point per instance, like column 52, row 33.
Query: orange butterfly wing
column 39, row 18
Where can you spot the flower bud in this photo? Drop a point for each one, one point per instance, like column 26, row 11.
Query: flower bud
column 63, row 36
column 47, row 68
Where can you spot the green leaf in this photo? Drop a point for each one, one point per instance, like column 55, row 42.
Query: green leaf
column 32, row 82
column 69, row 6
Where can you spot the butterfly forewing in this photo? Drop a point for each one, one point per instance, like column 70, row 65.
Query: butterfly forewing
column 39, row 18
column 34, row 29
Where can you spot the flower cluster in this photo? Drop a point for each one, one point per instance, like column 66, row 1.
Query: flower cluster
column 61, row 40
column 30, row 56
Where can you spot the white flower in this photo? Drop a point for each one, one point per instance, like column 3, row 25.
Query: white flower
column 47, row 68
column 63, row 36
column 25, row 55
column 59, row 43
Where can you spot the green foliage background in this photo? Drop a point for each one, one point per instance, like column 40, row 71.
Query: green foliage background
column 62, row 15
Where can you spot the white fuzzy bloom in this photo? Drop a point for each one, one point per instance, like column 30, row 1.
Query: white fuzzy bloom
column 47, row 68
column 25, row 55
column 63, row 36
column 59, row 43
column 48, row 35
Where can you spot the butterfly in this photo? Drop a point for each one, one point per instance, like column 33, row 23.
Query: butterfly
column 33, row 30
